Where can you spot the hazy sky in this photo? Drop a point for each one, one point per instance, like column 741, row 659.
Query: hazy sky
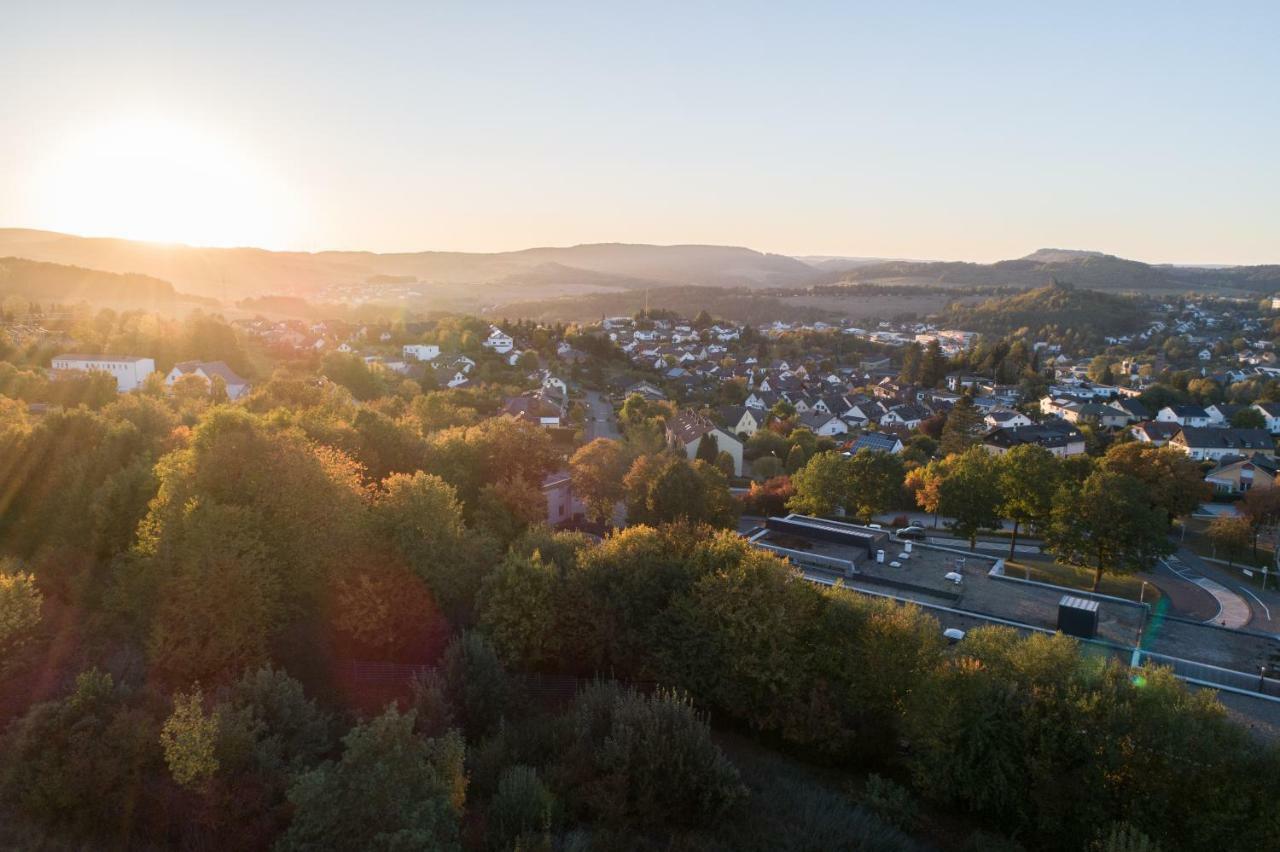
column 933, row 130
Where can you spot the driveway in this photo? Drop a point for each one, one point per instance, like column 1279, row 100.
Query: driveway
column 600, row 422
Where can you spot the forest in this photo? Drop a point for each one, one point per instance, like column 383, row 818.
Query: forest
column 191, row 588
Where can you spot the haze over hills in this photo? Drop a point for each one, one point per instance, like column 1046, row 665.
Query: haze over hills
column 238, row 272
column 229, row 274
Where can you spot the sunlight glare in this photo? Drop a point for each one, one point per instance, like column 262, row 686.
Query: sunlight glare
column 151, row 179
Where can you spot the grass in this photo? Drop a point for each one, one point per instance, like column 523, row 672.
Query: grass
column 1048, row 571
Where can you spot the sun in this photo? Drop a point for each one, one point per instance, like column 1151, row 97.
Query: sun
column 159, row 180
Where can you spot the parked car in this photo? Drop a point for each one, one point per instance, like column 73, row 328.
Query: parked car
column 913, row 532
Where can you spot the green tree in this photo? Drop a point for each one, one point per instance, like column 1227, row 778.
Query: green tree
column 1248, row 418
column 964, row 422
column 874, row 483
column 821, row 485
column 1107, row 525
column 391, row 790
column 707, row 449
column 1029, row 477
column 970, row 494
column 665, row 488
column 518, row 607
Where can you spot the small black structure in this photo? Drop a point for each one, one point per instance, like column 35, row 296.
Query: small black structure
column 1078, row 617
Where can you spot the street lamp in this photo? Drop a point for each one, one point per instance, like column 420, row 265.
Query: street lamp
column 1142, row 593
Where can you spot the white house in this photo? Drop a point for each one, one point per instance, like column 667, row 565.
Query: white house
column 1270, row 412
column 687, row 429
column 824, row 425
column 499, row 341
column 562, row 504
column 420, row 352
column 235, row 385
column 129, row 371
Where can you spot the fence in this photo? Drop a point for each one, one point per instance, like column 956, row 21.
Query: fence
column 547, row 689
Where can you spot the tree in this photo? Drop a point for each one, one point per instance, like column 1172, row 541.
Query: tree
column 20, row 606
column 964, row 421
column 707, row 449
column 1261, row 506
column 391, row 790
column 1100, row 370
column 1108, row 524
column 664, row 488
column 912, row 364
column 1249, row 418
column 1175, row 482
column 925, row 483
column 1232, row 535
column 970, row 494
column 874, row 483
column 647, row 761
column 596, row 471
column 821, row 485
column 1029, row 476
column 795, row 459
column 189, row 738
column 518, row 610
column 933, row 368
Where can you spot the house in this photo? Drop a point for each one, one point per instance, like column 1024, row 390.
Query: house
column 825, row 425
column 1270, row 412
column 1184, row 415
column 420, row 352
column 876, row 442
column 649, row 392
column 1097, row 413
column 129, row 371
column 686, row 430
column 532, row 408
column 999, row 418
column 562, row 504
column 1235, row 475
column 1154, row 432
column 741, row 420
column 908, row 416
column 1212, row 443
column 498, row 340
column 1057, row 436
column 236, row 386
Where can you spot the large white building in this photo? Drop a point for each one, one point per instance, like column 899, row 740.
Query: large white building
column 130, row 371
column 499, row 341
column 421, row 351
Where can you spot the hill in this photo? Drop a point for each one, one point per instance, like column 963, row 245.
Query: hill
column 53, row 282
column 1052, row 313
column 241, row 272
column 1086, row 269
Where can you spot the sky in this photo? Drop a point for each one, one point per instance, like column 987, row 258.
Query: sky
column 967, row 131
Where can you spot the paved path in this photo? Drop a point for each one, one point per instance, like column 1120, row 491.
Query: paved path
column 1265, row 603
column 1233, row 608
column 600, row 420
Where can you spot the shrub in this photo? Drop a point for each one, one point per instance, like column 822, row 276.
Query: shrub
column 647, row 761
column 891, row 801
column 476, row 684
column 520, row 814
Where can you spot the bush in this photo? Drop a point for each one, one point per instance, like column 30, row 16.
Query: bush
column 520, row 815
column 647, row 761
column 475, row 683
column 891, row 802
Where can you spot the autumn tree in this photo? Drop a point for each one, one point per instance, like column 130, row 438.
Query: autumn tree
column 596, row 471
column 1175, row 482
column 1232, row 535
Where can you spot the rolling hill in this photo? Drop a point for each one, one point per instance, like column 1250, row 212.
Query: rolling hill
column 240, row 272
column 1085, row 269
column 58, row 283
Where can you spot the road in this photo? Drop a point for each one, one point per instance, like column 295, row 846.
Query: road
column 1261, row 606
column 600, row 422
